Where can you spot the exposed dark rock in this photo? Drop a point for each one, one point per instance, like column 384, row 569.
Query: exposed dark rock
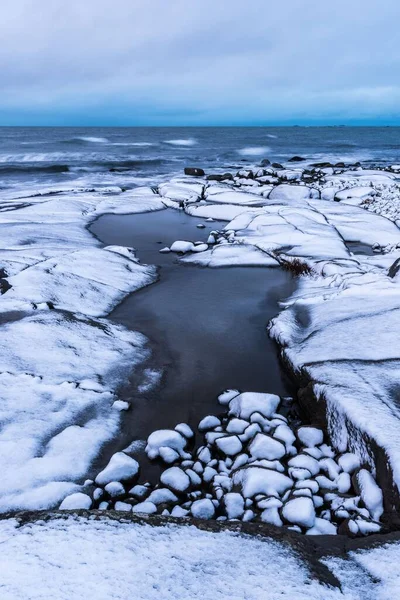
column 394, row 269
column 194, row 171
column 322, row 165
column 296, row 159
column 277, row 166
column 265, row 162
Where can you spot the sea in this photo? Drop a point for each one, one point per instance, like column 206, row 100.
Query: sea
column 31, row 157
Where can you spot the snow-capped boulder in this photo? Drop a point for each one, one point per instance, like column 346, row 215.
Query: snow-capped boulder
column 310, row 436
column 245, row 404
column 76, row 501
column 176, row 479
column 299, row 511
column 203, row 509
column 265, row 446
column 165, row 438
column 120, row 468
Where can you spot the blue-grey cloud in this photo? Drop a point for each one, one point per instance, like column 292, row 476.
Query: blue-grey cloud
column 198, row 62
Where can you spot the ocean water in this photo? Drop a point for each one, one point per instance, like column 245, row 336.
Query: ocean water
column 34, row 156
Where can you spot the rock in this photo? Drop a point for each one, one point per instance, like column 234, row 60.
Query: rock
column 276, row 165
column 162, row 496
column 139, row 492
column 165, row 250
column 121, row 405
column 245, row 404
column 310, row 436
column 371, row 494
column 322, row 527
column 194, row 172
column 265, row 162
column 227, row 396
column 168, row 455
column 182, row 246
column 305, row 462
column 349, row 462
column 229, row 445
column 165, row 438
column 201, row 226
column 185, row 430
column 179, row 512
column 76, row 501
column 271, row 516
column 123, row 506
column 296, row 159
column 234, row 505
column 176, row 479
column 264, row 446
column 200, row 248
column 260, row 480
column 203, row 509
column 209, row 422
column 120, row 468
column 237, row 426
column 299, row 511
column 115, row 489
column 145, row 507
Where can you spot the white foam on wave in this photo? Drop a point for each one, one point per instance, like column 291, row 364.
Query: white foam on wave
column 270, row 135
column 184, row 142
column 94, row 140
column 137, row 144
column 37, row 157
column 253, row 150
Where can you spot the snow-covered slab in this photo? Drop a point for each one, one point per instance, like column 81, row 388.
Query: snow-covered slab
column 88, row 281
column 138, row 200
column 72, row 348
column 57, row 558
column 348, row 345
column 56, row 405
column 180, row 192
column 232, row 255
column 218, row 212
column 234, row 197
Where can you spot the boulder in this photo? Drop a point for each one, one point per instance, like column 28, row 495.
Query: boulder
column 194, row 172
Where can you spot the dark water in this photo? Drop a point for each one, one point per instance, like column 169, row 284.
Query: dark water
column 131, row 156
column 207, row 327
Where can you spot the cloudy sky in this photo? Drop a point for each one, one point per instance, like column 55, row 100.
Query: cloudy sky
column 199, row 62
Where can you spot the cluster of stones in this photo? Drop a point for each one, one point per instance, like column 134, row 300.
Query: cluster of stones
column 253, row 466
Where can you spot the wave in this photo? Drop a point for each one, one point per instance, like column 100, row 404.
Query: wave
column 270, row 135
column 137, row 144
column 35, row 157
column 254, row 150
column 184, row 142
column 93, row 140
column 7, row 169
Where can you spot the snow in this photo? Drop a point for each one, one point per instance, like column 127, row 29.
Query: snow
column 185, row 430
column 203, row 509
column 258, row 480
column 76, row 501
column 310, row 436
column 114, row 489
column 145, row 507
column 209, row 422
column 264, row 446
column 176, row 479
column 370, row 493
column 165, row 438
column 121, row 467
column 56, row 560
column 234, row 504
column 290, row 192
column 245, row 404
column 229, row 445
column 182, row 246
column 299, row 511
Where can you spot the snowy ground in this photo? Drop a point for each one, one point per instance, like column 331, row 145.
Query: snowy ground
column 98, row 557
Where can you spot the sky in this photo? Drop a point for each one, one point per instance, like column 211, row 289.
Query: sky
column 199, row 62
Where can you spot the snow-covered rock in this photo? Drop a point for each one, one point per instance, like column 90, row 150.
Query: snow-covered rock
column 76, row 501
column 120, row 468
column 203, row 509
column 299, row 511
